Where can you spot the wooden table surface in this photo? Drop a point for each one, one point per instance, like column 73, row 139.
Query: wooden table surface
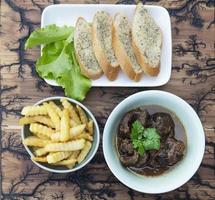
column 193, row 79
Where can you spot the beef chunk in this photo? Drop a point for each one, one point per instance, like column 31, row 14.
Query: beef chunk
column 142, row 161
column 164, row 124
column 128, row 155
column 126, row 123
column 170, row 153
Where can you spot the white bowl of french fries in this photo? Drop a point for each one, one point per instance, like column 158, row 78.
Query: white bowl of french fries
column 60, row 134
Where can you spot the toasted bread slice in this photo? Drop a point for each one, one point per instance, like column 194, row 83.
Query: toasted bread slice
column 102, row 42
column 146, row 40
column 122, row 44
column 84, row 50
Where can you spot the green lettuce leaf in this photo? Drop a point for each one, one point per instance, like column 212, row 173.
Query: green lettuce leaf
column 75, row 84
column 48, row 34
column 50, row 52
column 54, row 66
column 58, row 62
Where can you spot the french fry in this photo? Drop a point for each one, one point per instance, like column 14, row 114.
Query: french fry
column 55, row 137
column 71, row 165
column 73, row 133
column 56, row 108
column 26, row 120
column 84, row 151
column 40, row 129
column 64, row 126
column 73, row 123
column 74, row 155
column 90, row 127
column 43, row 137
column 85, row 136
column 44, row 120
column 66, row 162
column 82, row 115
column 40, row 152
column 34, row 110
column 77, row 130
column 39, row 159
column 55, row 157
column 67, row 146
column 35, row 141
column 71, row 110
column 32, row 119
column 53, row 115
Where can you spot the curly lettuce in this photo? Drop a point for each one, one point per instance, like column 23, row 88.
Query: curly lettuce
column 58, row 61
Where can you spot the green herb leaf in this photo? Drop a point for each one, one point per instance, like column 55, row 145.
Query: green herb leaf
column 48, row 34
column 141, row 150
column 136, row 130
column 144, row 138
column 137, row 144
column 152, row 139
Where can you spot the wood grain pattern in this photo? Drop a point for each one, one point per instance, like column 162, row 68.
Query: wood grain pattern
column 193, row 75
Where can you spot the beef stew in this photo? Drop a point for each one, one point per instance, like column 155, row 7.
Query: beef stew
column 154, row 161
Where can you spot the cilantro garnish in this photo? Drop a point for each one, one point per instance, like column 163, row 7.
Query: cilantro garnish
column 144, row 139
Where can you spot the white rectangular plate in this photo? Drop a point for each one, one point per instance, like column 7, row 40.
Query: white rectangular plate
column 67, row 14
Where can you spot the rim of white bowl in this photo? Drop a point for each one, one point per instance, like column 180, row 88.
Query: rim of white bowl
column 106, row 149
column 86, row 161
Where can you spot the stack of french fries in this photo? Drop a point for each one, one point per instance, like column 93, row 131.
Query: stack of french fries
column 61, row 135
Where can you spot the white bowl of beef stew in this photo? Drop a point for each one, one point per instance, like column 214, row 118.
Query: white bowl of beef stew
column 153, row 141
